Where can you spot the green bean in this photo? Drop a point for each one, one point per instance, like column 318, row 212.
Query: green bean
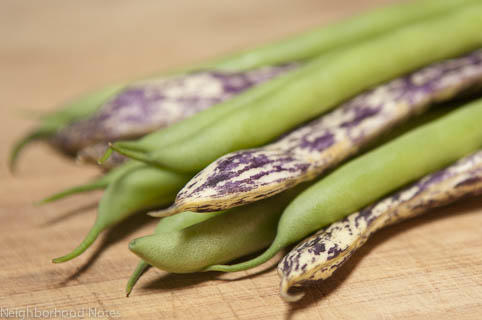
column 330, row 37
column 307, row 152
column 323, row 84
column 374, row 174
column 308, row 45
column 71, row 111
column 169, row 224
column 232, row 235
column 141, row 188
column 299, row 47
column 99, row 183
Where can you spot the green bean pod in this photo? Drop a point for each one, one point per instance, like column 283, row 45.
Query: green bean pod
column 299, row 47
column 324, row 83
column 238, row 232
column 319, row 256
column 375, row 174
column 364, row 26
column 308, row 45
column 140, row 188
column 169, row 224
column 100, row 183
column 307, row 152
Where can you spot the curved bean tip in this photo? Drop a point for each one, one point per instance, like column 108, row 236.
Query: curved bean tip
column 275, row 247
column 84, row 245
column 132, row 246
column 132, row 154
column 106, row 155
column 165, row 212
column 284, row 292
column 71, row 191
column 140, row 269
column 21, row 144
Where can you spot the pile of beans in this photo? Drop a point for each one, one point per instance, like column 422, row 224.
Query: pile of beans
column 307, row 137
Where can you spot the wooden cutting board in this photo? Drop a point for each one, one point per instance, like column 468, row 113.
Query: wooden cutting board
column 51, row 50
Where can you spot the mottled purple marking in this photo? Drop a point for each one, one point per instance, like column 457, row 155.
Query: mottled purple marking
column 319, row 145
column 458, row 181
column 146, row 106
column 360, row 115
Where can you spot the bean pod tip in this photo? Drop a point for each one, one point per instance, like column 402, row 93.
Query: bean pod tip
column 284, row 292
column 136, row 274
column 165, row 212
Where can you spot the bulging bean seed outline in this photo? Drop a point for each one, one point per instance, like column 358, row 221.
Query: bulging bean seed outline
column 319, row 256
column 249, row 175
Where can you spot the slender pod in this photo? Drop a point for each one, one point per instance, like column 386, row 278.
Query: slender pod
column 239, row 232
column 324, row 84
column 250, row 175
column 93, row 153
column 72, row 111
column 319, row 256
column 376, row 173
column 346, row 32
column 169, row 224
column 147, row 105
column 141, row 188
column 99, row 183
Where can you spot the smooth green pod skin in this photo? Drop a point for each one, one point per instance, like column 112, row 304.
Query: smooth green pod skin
column 141, row 188
column 373, row 175
column 333, row 78
column 322, row 39
column 100, row 183
column 71, row 111
column 239, row 232
column 309, row 44
column 298, row 48
column 169, row 224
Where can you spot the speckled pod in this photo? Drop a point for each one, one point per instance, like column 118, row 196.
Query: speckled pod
column 320, row 255
column 148, row 105
column 249, row 175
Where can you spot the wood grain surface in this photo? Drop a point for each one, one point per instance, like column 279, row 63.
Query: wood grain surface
column 51, row 50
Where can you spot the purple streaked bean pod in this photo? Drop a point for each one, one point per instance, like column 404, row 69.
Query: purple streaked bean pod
column 249, row 175
column 148, row 105
column 319, row 256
